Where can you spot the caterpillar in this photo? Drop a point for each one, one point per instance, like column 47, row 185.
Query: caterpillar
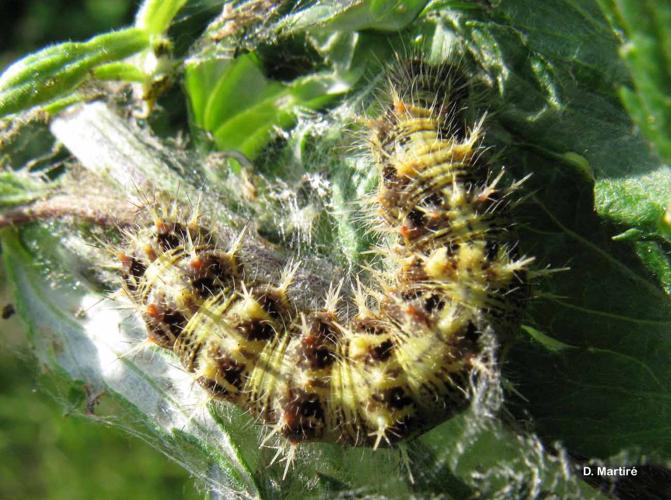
column 401, row 363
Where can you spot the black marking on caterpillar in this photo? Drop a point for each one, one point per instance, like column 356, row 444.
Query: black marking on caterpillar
column 401, row 364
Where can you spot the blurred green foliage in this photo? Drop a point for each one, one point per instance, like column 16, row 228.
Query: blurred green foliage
column 46, row 453
column 29, row 24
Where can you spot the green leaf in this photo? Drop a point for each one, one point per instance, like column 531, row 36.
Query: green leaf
column 18, row 188
column 381, row 15
column 155, row 16
column 240, row 107
column 549, row 343
column 637, row 200
column 120, row 71
column 646, row 26
column 57, row 71
column 557, row 94
column 234, row 102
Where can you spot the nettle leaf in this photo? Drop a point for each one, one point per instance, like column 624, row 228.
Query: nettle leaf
column 49, row 78
column 643, row 199
column 19, row 188
column 240, row 107
column 647, row 51
column 55, row 72
column 558, row 94
column 382, row 15
column 155, row 16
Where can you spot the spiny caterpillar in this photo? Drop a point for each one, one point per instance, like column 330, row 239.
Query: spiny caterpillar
column 399, row 365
